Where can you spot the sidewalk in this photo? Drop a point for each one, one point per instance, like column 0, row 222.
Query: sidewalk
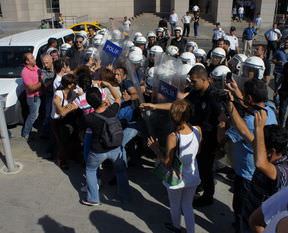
column 42, row 198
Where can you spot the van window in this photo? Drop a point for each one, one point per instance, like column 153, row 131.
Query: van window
column 11, row 60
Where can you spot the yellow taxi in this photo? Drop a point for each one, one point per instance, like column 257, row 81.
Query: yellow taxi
column 84, row 27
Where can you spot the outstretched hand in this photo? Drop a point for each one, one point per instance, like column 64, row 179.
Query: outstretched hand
column 260, row 119
column 153, row 144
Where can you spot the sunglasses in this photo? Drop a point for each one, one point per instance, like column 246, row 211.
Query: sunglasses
column 79, row 42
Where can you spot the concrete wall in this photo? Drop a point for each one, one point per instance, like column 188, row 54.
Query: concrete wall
column 224, row 10
column 267, row 12
column 181, row 7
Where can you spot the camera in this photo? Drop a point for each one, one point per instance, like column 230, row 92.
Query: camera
column 221, row 95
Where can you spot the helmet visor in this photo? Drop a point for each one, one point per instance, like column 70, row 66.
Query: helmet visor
column 250, row 72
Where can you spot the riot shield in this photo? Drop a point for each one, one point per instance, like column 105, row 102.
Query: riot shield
column 169, row 81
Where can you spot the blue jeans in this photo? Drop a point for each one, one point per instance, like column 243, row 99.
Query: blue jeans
column 128, row 135
column 196, row 26
column 94, row 160
column 283, row 109
column 34, row 105
column 241, row 17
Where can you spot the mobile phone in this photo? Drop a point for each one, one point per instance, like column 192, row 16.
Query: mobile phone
column 229, row 77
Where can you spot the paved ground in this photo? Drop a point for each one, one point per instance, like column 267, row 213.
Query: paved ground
column 43, row 198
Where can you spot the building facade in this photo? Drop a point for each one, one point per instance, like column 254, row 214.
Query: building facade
column 102, row 10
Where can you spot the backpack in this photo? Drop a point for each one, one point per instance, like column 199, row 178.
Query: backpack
column 112, row 133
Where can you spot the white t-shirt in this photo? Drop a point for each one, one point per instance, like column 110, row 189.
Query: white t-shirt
column 186, row 19
column 273, row 34
column 196, row 8
column 241, row 10
column 275, row 204
column 54, row 114
column 234, row 42
column 218, row 33
column 56, row 82
column 173, row 18
column 126, row 25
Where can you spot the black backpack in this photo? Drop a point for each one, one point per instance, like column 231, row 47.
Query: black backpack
column 112, row 133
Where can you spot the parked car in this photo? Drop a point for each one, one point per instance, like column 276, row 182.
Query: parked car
column 12, row 49
column 84, row 27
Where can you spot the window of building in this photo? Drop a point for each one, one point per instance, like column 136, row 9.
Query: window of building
column 53, row 6
column 1, row 15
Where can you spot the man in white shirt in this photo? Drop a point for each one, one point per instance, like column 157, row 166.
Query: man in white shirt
column 269, row 209
column 126, row 24
column 272, row 36
column 173, row 20
column 186, row 24
column 241, row 13
column 233, row 39
column 218, row 33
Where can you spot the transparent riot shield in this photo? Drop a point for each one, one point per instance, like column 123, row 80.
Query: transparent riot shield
column 169, row 81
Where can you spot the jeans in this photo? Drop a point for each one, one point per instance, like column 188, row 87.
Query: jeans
column 196, row 26
column 34, row 105
column 241, row 17
column 181, row 202
column 173, row 25
column 283, row 109
column 94, row 160
column 128, row 135
column 186, row 29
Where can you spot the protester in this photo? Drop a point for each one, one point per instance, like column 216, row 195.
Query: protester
column 255, row 94
column 32, row 80
column 260, row 51
column 101, row 149
column 91, row 35
column 283, row 95
column 62, row 105
column 184, row 143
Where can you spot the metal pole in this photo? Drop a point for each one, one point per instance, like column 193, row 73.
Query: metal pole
column 52, row 17
column 5, row 138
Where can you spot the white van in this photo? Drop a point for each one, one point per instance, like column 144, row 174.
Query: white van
column 12, row 49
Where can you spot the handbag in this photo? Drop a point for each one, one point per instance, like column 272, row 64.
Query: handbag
column 173, row 174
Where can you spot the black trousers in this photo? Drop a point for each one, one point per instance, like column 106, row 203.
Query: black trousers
column 205, row 160
column 186, row 29
column 271, row 46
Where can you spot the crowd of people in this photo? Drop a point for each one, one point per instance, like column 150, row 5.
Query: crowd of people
column 95, row 105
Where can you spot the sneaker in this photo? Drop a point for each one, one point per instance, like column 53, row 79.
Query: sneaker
column 90, row 203
column 203, row 201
